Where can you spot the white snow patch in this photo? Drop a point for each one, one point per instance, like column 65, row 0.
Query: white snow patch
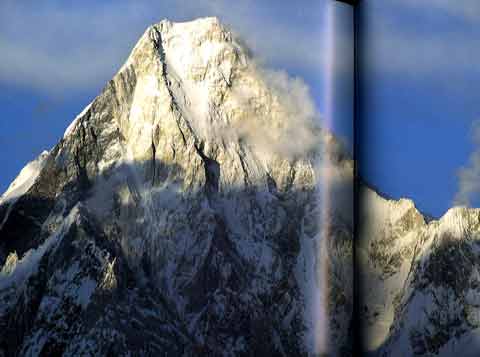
column 22, row 183
column 73, row 124
column 25, row 179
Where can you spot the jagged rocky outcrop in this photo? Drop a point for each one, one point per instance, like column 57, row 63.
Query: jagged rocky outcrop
column 178, row 215
column 419, row 280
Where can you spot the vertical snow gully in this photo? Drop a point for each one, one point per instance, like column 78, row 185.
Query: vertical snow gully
column 154, row 166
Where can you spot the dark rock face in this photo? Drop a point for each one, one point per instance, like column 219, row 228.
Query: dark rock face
column 155, row 227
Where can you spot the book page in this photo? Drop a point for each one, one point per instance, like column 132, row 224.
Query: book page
column 177, row 178
column 418, row 133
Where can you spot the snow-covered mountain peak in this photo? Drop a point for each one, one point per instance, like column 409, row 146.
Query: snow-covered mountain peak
column 189, row 89
column 197, row 30
column 178, row 215
column 24, row 180
column 392, row 212
column 221, row 93
column 457, row 221
column 457, row 213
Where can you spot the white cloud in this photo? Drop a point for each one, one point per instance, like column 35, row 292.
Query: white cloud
column 466, row 10
column 428, row 39
column 469, row 176
column 292, row 116
column 55, row 48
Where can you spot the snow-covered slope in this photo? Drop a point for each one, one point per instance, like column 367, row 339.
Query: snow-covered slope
column 419, row 281
column 178, row 215
column 24, row 180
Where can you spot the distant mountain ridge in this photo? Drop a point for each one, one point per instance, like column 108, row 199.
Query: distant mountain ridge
column 419, row 279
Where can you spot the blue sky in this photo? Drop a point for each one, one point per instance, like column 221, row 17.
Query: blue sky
column 420, row 85
column 419, row 76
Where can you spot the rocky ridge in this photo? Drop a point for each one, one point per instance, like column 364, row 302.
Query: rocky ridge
column 419, row 280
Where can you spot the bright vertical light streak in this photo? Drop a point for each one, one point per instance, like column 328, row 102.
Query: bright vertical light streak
column 321, row 298
column 329, row 53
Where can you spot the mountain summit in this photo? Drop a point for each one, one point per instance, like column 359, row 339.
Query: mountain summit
column 177, row 216
column 419, row 279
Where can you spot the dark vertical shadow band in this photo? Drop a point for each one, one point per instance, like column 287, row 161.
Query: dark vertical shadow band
column 355, row 319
